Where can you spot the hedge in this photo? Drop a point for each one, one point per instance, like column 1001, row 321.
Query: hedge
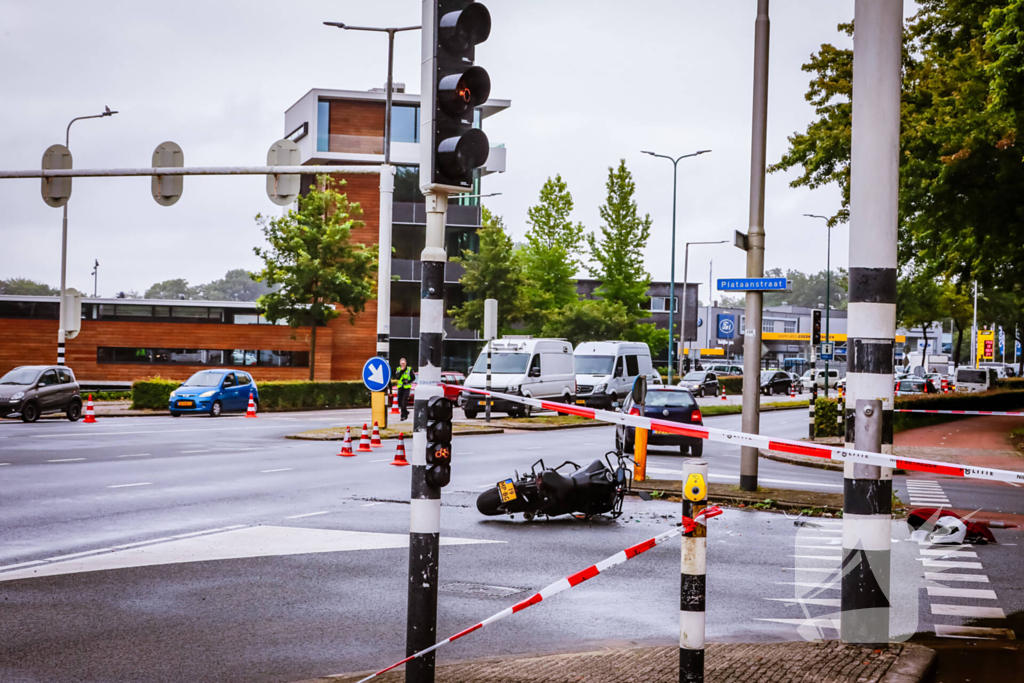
column 732, row 384
column 301, row 394
column 152, row 393
column 998, row 400
column 826, row 417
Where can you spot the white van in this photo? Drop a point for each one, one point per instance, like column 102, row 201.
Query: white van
column 538, row 368
column 971, row 379
column 606, row 370
column 818, row 376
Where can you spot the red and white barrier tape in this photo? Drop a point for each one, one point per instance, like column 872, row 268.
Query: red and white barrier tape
column 758, row 441
column 962, row 412
column 568, row 582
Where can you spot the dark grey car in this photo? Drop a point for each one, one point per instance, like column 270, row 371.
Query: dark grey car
column 33, row 390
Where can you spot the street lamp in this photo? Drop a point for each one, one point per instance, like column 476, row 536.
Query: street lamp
column 672, row 281
column 828, row 285
column 391, row 59
column 686, row 268
column 107, row 111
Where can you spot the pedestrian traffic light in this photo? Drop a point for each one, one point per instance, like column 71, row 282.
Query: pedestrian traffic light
column 453, row 87
column 815, row 327
column 439, row 441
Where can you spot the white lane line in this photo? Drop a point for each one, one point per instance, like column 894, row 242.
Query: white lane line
column 807, row 584
column 533, row 448
column 4, row 463
column 830, row 558
column 282, row 469
column 370, row 505
column 943, row 576
column 385, row 460
column 201, row 450
column 940, row 552
column 831, row 546
column 973, row 593
column 68, row 435
column 67, row 460
column 968, row 611
column 942, row 564
column 974, row 632
column 134, row 455
column 818, row 623
column 824, row 602
column 124, row 486
column 309, row 514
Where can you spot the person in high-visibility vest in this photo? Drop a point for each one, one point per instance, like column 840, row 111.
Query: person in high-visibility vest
column 403, row 379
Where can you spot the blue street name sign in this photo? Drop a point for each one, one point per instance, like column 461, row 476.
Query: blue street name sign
column 376, row 374
column 754, row 284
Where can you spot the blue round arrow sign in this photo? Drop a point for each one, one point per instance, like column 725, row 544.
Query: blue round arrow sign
column 376, row 374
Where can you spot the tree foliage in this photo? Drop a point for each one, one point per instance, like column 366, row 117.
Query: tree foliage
column 177, row 288
column 236, row 285
column 313, row 263
column 809, row 289
column 20, row 286
column 495, row 272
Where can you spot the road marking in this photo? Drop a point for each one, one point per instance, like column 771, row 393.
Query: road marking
column 309, row 514
column 134, row 455
column 384, row 460
column 943, row 576
column 4, row 463
column 940, row 552
column 831, row 546
column 942, row 564
column 968, row 611
column 533, row 448
column 370, row 505
column 67, row 460
column 807, row 584
column 817, row 623
column 830, row 558
column 974, row 632
column 974, row 593
column 147, row 431
column 283, row 469
column 201, row 450
column 123, row 486
column 824, row 602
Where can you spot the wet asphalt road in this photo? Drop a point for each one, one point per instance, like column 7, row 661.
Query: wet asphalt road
column 81, row 489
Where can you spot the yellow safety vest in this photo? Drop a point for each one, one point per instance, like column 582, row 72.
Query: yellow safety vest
column 403, row 378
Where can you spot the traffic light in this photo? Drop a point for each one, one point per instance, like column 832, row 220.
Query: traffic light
column 439, row 441
column 453, row 87
column 815, row 327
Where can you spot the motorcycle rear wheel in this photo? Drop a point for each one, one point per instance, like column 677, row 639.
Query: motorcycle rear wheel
column 489, row 503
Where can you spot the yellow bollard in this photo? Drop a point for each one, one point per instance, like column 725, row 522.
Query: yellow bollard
column 640, row 454
column 379, row 406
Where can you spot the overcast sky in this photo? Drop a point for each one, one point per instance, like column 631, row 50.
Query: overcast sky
column 591, row 81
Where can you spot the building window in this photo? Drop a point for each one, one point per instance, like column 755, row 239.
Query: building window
column 405, row 124
column 767, row 326
column 323, row 125
column 218, row 357
column 790, row 326
column 659, row 304
column 407, row 185
column 31, row 309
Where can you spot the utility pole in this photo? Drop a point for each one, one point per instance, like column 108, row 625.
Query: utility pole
column 755, row 250
column 974, row 329
column 874, row 190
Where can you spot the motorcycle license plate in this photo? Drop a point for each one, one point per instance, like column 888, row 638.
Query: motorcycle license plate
column 507, row 490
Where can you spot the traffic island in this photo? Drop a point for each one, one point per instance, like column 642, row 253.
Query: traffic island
column 806, row 662
column 808, row 502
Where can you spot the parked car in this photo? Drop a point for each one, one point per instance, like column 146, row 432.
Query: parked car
column 795, row 381
column 538, row 368
column 775, row 382
column 914, row 385
column 214, row 392
column 450, row 380
column 673, row 404
column 726, row 370
column 606, row 370
column 700, row 382
column 33, row 390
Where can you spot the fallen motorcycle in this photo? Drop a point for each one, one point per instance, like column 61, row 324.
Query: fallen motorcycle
column 597, row 489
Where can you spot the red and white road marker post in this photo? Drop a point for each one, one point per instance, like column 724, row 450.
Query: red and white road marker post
column 692, row 583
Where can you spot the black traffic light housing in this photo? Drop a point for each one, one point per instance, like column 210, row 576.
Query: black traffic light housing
column 439, row 441
column 815, row 327
column 453, row 88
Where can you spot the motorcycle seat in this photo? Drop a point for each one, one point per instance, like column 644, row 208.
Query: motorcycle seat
column 564, row 488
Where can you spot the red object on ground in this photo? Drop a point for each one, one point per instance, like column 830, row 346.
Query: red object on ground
column 251, row 412
column 90, row 415
column 375, row 437
column 346, row 445
column 976, row 530
column 364, row 441
column 400, row 460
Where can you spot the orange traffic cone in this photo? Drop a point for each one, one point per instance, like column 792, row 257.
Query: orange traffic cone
column 364, row 441
column 792, row 390
column 90, row 416
column 394, row 404
column 724, row 397
column 251, row 412
column 375, row 437
column 400, row 460
column 346, row 445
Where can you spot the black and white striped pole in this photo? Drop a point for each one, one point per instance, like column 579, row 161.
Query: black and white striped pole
column 692, row 584
column 425, row 496
column 810, row 409
column 867, row 490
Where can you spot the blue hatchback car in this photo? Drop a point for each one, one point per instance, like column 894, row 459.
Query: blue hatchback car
column 214, row 392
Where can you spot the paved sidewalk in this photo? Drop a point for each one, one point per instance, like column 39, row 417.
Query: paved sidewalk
column 803, row 662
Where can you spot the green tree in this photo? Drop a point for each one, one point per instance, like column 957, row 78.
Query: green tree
column 958, row 306
column 177, row 288
column 551, row 256
column 20, row 286
column 236, row 285
column 919, row 303
column 494, row 272
column 809, row 289
column 618, row 252
column 1006, row 310
column 589, row 319
column 313, row 263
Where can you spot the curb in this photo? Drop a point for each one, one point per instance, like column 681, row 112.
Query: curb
column 914, row 664
column 716, row 495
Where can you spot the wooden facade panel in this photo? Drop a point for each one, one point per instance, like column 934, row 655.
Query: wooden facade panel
column 356, row 127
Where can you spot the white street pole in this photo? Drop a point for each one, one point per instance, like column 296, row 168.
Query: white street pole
column 387, row 191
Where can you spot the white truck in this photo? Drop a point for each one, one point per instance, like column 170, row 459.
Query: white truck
column 524, row 366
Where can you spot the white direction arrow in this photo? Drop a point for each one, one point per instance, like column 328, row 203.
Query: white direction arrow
column 377, row 373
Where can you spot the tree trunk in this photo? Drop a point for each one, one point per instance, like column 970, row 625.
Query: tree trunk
column 312, row 345
column 959, row 346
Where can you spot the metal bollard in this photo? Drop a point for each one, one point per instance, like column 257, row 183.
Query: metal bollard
column 867, row 534
column 692, row 584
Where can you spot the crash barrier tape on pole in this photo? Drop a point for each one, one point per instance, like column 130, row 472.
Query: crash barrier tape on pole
column 758, row 441
column 567, row 582
column 1016, row 413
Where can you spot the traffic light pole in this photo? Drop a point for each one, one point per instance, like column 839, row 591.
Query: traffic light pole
column 755, row 251
column 425, row 498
